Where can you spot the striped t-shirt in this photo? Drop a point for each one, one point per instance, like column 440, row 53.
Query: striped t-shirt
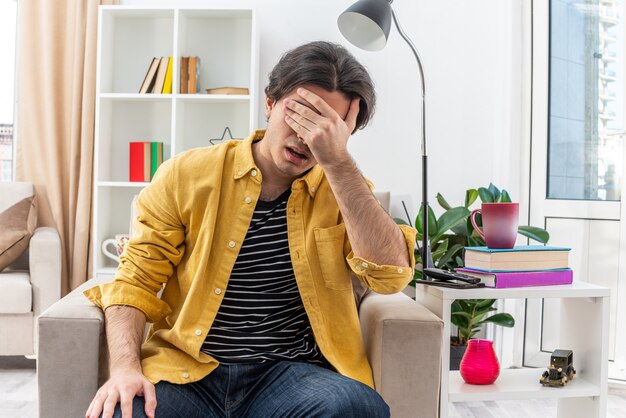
column 262, row 317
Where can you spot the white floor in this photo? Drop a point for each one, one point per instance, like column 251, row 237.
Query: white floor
column 18, row 398
column 18, row 393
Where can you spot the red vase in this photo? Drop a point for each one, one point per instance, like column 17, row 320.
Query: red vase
column 480, row 365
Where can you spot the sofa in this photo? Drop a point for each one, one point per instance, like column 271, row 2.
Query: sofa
column 402, row 339
column 29, row 285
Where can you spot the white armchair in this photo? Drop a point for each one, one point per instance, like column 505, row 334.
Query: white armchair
column 402, row 339
column 31, row 284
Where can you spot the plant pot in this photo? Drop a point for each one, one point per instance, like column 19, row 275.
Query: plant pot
column 480, row 365
column 456, row 353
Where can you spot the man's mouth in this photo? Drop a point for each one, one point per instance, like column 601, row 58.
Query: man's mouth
column 298, row 154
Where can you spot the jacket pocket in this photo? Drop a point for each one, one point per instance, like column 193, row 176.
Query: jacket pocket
column 329, row 243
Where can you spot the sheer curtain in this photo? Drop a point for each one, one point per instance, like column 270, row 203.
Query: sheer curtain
column 56, row 87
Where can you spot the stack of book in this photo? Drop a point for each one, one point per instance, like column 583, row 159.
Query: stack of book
column 189, row 74
column 145, row 158
column 533, row 265
column 158, row 78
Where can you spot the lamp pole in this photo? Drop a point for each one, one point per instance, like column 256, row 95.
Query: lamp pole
column 427, row 258
column 366, row 24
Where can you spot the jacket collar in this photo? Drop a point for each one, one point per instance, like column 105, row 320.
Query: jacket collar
column 244, row 163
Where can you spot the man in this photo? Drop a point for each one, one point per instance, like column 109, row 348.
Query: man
column 254, row 243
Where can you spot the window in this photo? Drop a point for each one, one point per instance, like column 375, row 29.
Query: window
column 8, row 19
column 586, row 99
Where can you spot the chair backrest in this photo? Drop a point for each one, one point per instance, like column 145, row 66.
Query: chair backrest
column 13, row 191
column 384, row 198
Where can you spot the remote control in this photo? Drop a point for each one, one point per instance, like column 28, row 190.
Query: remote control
column 441, row 274
column 451, row 283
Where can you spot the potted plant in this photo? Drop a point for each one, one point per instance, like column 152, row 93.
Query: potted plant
column 469, row 315
column 448, row 235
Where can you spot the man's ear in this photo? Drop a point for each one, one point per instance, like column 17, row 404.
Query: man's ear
column 269, row 105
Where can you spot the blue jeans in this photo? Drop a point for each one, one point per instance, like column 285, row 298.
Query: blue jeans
column 276, row 389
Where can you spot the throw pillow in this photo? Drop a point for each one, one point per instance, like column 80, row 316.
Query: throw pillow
column 17, row 225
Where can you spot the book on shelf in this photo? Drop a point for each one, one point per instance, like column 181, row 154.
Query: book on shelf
column 520, row 258
column 228, row 90
column 148, row 81
column 184, row 74
column 157, row 157
column 167, row 84
column 144, row 159
column 140, row 161
column 159, row 81
column 194, row 73
column 507, row 279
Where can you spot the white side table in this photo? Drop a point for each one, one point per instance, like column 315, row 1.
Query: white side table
column 584, row 330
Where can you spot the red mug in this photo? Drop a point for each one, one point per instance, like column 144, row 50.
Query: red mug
column 499, row 224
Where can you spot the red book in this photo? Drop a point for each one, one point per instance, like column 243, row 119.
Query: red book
column 140, row 160
column 504, row 279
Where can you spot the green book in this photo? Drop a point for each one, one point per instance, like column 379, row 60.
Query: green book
column 157, row 157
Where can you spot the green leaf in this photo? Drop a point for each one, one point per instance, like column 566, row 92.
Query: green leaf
column 460, row 230
column 463, row 314
column 470, row 334
column 450, row 219
column 434, row 245
column 475, row 242
column 440, row 251
column 478, row 319
column 442, row 202
column 456, row 306
column 448, row 256
column 485, row 302
column 432, row 222
column 485, row 195
column 433, row 227
column 535, row 233
column 460, row 321
column 459, row 261
column 464, row 304
column 400, row 221
column 504, row 197
column 470, row 227
column 502, row 319
column 470, row 197
column 484, row 310
column 495, row 192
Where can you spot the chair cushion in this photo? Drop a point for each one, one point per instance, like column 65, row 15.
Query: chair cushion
column 17, row 224
column 16, row 294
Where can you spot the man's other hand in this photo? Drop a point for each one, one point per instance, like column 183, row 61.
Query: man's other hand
column 122, row 388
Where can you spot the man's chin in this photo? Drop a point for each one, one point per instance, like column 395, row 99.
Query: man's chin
column 295, row 172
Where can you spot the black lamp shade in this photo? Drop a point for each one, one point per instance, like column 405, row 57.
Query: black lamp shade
column 366, row 24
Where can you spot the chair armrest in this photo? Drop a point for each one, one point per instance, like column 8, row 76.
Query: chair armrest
column 44, row 265
column 72, row 360
column 403, row 342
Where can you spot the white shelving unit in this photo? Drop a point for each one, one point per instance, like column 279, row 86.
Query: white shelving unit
column 225, row 40
column 584, row 330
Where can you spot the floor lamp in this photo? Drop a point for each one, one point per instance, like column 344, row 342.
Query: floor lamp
column 366, row 25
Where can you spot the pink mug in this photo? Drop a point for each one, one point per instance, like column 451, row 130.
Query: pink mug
column 499, row 224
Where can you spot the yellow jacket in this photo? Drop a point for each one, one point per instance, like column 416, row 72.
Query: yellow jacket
column 191, row 222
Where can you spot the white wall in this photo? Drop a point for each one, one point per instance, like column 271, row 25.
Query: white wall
column 472, row 58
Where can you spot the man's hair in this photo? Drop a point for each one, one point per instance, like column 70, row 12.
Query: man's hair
column 327, row 65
